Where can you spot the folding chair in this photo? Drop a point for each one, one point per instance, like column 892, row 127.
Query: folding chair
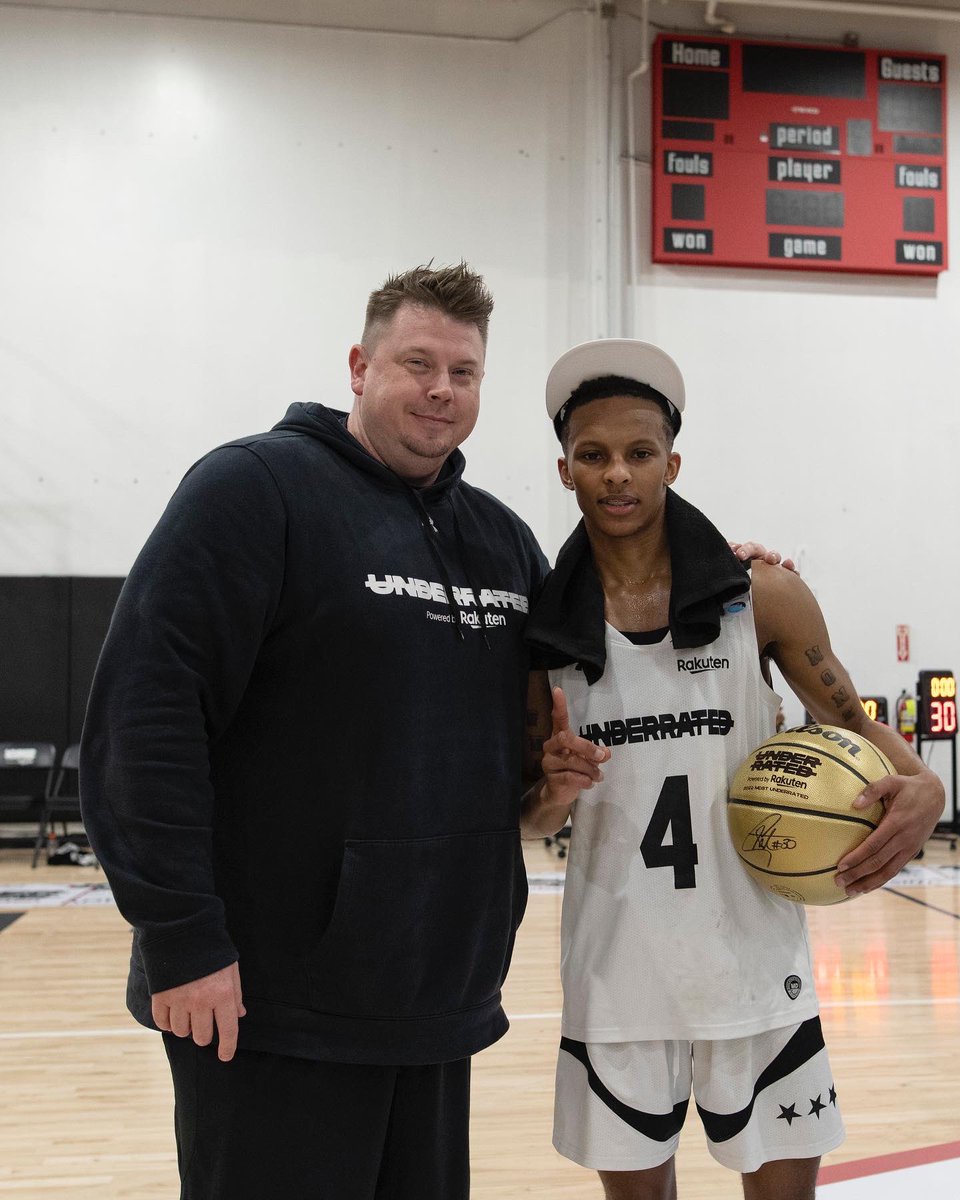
column 26, row 775
column 62, row 802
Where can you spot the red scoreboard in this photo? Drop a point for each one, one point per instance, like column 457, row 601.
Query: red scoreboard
column 799, row 157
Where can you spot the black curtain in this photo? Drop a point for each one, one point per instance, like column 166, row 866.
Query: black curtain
column 51, row 631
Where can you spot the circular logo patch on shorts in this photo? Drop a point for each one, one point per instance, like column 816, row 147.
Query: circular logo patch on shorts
column 792, row 986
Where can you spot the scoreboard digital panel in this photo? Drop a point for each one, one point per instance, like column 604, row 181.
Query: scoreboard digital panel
column 798, row 157
column 937, row 696
column 876, row 708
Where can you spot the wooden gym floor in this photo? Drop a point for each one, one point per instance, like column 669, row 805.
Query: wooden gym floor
column 85, row 1100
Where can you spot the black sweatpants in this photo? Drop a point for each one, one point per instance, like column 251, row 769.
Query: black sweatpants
column 265, row 1126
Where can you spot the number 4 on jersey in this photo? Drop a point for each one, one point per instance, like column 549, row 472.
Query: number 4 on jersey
column 672, row 812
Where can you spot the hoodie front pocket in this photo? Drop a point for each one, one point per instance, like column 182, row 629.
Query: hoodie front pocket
column 420, row 927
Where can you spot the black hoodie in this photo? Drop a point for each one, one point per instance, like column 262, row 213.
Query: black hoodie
column 294, row 753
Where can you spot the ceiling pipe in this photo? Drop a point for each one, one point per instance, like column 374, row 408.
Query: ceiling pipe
column 724, row 24
column 912, row 12
column 633, row 259
column 599, row 82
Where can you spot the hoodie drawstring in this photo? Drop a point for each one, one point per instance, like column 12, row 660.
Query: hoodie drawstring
column 431, row 533
column 464, row 558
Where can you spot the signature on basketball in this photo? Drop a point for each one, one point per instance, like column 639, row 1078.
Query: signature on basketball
column 763, row 838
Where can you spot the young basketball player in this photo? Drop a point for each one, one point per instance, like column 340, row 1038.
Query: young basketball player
column 679, row 972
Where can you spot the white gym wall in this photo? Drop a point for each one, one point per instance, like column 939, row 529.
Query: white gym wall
column 193, row 211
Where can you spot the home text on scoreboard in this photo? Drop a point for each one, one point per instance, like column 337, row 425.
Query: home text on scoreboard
column 798, row 157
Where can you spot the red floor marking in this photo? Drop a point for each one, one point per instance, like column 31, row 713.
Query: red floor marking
column 888, row 1162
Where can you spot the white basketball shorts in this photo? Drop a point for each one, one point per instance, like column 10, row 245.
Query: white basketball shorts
column 621, row 1106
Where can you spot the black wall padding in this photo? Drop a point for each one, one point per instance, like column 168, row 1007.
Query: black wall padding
column 51, row 631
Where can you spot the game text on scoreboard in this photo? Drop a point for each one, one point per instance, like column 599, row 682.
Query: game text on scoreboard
column 774, row 155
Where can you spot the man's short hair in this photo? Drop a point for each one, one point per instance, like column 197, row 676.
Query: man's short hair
column 454, row 290
column 615, row 385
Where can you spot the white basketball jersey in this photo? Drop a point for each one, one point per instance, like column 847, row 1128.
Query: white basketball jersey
column 664, row 934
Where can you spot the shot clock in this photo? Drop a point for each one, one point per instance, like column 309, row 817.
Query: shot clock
column 937, row 707
column 876, row 708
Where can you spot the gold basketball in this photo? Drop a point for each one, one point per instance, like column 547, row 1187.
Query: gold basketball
column 790, row 809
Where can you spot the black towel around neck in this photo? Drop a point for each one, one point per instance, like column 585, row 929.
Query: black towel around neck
column 567, row 622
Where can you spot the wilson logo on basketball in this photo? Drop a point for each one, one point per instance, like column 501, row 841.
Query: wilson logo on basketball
column 831, row 734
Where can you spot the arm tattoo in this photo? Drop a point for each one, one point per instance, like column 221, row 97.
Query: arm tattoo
column 814, row 655
column 847, row 713
column 841, row 697
column 828, row 678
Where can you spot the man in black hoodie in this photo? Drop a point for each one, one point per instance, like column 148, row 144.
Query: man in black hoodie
column 301, row 771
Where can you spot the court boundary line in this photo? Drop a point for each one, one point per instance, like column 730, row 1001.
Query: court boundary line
column 882, row 1164
column 923, row 903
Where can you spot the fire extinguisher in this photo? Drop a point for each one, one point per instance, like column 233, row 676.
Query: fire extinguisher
column 906, row 716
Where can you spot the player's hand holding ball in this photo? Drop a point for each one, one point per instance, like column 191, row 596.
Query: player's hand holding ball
column 912, row 806
column 791, row 809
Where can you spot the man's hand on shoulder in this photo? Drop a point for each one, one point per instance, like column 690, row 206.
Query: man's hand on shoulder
column 780, row 599
column 757, row 552
column 194, row 1009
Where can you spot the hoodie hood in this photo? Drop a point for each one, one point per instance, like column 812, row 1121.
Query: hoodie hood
column 329, row 425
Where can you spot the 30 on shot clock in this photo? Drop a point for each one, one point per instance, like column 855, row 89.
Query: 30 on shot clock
column 937, row 705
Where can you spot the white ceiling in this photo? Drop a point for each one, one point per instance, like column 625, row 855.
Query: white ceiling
column 499, row 19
